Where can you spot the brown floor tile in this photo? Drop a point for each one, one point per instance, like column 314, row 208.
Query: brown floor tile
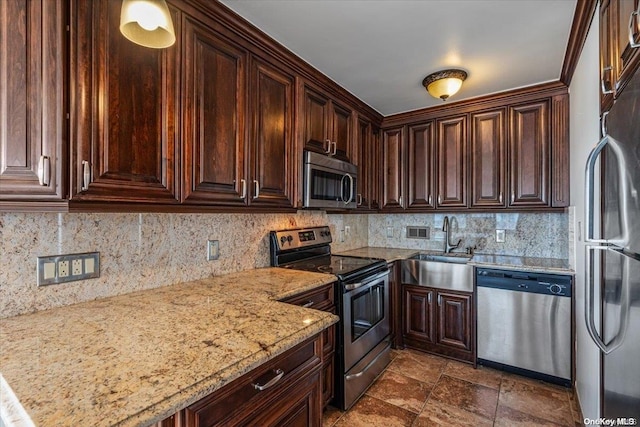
column 471, row 397
column 420, row 366
column 440, row 414
column 372, row 412
column 508, row 417
column 400, row 390
column 330, row 416
column 575, row 407
column 541, row 400
column 481, row 375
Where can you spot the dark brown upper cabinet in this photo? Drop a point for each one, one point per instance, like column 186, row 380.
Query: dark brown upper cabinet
column 452, row 162
column 124, row 116
column 421, row 164
column 529, row 145
column 618, row 58
column 488, row 159
column 214, row 111
column 366, row 161
column 327, row 125
column 272, row 153
column 393, row 153
column 32, row 115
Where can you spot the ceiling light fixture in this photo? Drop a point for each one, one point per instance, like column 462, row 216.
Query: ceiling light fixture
column 443, row 84
column 147, row 23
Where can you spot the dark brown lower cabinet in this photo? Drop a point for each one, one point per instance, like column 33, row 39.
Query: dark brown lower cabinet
column 293, row 400
column 439, row 321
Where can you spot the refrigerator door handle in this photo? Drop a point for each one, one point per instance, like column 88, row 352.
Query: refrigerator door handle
column 622, row 240
column 589, row 302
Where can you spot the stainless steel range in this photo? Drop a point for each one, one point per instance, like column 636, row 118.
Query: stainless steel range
column 363, row 347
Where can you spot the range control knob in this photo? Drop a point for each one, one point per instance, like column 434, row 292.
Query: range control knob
column 289, row 238
column 555, row 288
column 282, row 240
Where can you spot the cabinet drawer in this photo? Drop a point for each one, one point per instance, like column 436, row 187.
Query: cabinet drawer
column 233, row 403
column 321, row 298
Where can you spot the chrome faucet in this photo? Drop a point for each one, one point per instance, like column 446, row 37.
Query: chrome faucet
column 448, row 247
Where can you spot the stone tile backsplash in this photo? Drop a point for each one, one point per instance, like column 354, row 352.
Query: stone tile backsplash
column 141, row 251
column 541, row 235
column 149, row 250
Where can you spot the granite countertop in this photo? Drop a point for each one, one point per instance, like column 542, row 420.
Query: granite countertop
column 544, row 265
column 138, row 358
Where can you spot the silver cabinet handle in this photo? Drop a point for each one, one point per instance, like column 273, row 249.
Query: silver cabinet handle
column 429, row 298
column 359, row 202
column 366, row 368
column 439, row 199
column 439, row 300
column 44, row 171
column 86, row 175
column 603, row 123
column 400, row 201
column 513, row 198
column 603, row 87
column 335, row 148
column 271, row 382
column 632, row 41
column 328, row 149
column 429, row 200
column 243, row 183
column 256, row 187
column 308, row 304
column 500, row 197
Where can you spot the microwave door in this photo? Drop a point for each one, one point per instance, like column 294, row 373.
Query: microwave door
column 323, row 187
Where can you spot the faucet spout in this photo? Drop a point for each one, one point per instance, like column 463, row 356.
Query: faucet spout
column 448, row 246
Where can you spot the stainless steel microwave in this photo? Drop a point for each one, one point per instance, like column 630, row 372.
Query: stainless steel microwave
column 329, row 183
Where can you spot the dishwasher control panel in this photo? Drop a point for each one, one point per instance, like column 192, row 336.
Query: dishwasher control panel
column 519, row 281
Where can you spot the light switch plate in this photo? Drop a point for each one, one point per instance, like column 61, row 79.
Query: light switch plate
column 56, row 269
column 500, row 234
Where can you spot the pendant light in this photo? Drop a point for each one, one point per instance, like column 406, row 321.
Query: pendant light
column 147, row 23
column 443, row 84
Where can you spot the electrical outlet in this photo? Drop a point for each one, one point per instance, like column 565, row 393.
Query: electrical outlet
column 500, row 235
column 213, row 250
column 56, row 269
column 76, row 267
column 389, row 231
column 63, row 268
column 347, row 230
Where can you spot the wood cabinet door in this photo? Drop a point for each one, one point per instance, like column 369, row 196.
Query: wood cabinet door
column 452, row 162
column 627, row 58
column 393, row 153
column 367, row 157
column 607, row 66
column 274, row 165
column 375, row 162
column 214, row 88
column 421, row 162
column 316, row 120
column 341, row 134
column 124, row 110
column 32, row 76
column 529, row 154
column 488, row 159
column 454, row 320
column 418, row 315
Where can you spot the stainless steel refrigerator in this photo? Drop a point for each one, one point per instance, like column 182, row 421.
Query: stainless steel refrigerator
column 616, row 247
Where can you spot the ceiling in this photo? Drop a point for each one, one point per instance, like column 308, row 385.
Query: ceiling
column 380, row 50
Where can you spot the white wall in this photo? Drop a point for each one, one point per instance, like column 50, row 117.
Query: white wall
column 585, row 133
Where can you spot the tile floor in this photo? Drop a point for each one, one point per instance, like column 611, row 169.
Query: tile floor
column 419, row 389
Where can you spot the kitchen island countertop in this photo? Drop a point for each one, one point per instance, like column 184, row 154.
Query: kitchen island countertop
column 135, row 359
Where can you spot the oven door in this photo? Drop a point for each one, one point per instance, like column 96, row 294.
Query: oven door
column 365, row 319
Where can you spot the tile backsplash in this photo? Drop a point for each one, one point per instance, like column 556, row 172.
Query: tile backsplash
column 149, row 250
column 142, row 251
column 541, row 235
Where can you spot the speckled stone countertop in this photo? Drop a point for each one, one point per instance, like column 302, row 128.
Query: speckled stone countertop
column 135, row 359
column 544, row 265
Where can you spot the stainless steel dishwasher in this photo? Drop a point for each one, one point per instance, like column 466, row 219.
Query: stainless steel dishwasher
column 524, row 323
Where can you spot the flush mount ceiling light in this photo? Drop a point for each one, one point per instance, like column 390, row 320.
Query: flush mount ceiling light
column 443, row 84
column 147, row 23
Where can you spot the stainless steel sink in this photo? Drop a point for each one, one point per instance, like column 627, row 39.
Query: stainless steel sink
column 453, row 258
column 449, row 271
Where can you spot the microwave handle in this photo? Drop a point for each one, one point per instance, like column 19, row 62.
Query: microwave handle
column 351, row 189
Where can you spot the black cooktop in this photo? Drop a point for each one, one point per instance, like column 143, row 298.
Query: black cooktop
column 344, row 267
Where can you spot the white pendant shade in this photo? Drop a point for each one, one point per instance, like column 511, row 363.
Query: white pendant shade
column 147, row 23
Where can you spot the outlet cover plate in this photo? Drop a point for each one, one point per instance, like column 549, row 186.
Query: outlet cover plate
column 500, row 235
column 56, row 269
column 213, row 250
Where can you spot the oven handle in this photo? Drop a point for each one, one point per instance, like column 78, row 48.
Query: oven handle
column 352, row 286
column 365, row 369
